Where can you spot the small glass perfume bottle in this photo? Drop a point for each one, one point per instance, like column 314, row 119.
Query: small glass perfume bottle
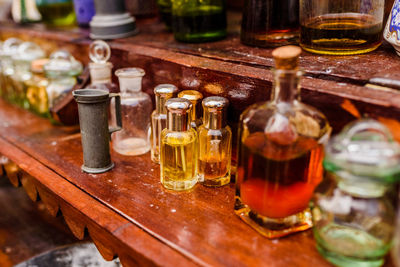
column 10, row 47
column 163, row 92
column 36, row 93
column 353, row 209
column 178, row 150
column 215, row 141
column 136, row 108
column 195, row 98
column 22, row 60
column 61, row 70
column 100, row 69
column 280, row 152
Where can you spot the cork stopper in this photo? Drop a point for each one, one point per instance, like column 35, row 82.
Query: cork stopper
column 37, row 66
column 287, row 57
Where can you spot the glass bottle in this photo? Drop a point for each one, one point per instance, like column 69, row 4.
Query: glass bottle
column 57, row 12
column 198, row 21
column 215, row 141
column 100, row 69
column 84, row 10
column 165, row 7
column 353, row 211
column 136, row 108
column 178, row 150
column 195, row 98
column 25, row 11
column 163, row 92
column 61, row 70
column 22, row 60
column 280, row 152
column 268, row 23
column 341, row 27
column 10, row 47
column 36, row 93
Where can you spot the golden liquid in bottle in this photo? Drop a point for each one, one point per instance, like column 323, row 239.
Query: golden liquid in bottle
column 178, row 155
column 36, row 95
column 341, row 34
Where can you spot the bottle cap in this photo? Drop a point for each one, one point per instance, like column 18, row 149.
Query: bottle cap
column 364, row 157
column 178, row 114
column 130, row 79
column 215, row 112
column 99, row 51
column 163, row 92
column 287, row 57
column 194, row 97
column 62, row 63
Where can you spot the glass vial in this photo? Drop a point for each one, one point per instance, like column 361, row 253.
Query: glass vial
column 341, row 27
column 215, row 141
column 100, row 69
column 268, row 23
column 178, row 151
column 197, row 21
column 280, row 152
column 57, row 12
column 163, row 92
column 136, row 108
column 353, row 209
column 195, row 98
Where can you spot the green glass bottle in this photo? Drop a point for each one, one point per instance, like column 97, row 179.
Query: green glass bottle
column 164, row 8
column 57, row 12
column 197, row 21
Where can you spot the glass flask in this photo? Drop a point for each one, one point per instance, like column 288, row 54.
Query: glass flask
column 100, row 69
column 61, row 71
column 215, row 141
column 341, row 27
column 195, row 98
column 164, row 8
column 198, row 21
column 268, row 23
column 178, row 150
column 136, row 108
column 36, row 87
column 22, row 60
column 280, row 152
column 353, row 209
column 57, row 12
column 10, row 47
column 163, row 92
column 84, row 11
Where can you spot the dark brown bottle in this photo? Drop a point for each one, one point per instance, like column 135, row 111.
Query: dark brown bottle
column 270, row 23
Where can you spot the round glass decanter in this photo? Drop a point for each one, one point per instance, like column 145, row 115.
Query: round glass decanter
column 136, row 109
column 352, row 210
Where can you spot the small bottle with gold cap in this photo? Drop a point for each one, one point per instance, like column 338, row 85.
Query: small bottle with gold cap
column 215, row 140
column 195, row 98
column 280, row 152
column 163, row 92
column 178, row 150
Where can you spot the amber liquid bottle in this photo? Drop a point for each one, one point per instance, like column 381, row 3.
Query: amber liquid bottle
column 280, row 154
column 268, row 23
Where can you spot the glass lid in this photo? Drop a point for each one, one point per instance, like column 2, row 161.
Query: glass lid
column 99, row 52
column 62, row 63
column 10, row 47
column 28, row 52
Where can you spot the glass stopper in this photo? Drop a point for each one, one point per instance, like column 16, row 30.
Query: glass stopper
column 99, row 51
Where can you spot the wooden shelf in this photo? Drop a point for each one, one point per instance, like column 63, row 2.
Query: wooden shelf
column 126, row 211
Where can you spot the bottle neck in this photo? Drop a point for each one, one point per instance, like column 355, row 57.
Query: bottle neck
column 214, row 120
column 160, row 103
column 130, row 84
column 286, row 86
column 100, row 73
column 178, row 122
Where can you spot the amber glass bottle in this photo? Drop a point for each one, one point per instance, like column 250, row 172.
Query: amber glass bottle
column 268, row 23
column 280, row 155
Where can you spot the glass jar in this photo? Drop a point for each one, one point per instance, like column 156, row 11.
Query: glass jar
column 280, row 152
column 197, row 21
column 36, row 93
column 268, row 23
column 22, row 60
column 215, row 142
column 164, row 8
column 57, row 12
column 353, row 209
column 136, row 109
column 10, row 47
column 341, row 27
column 61, row 71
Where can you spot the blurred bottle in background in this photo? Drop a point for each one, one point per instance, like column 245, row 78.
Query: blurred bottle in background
column 84, row 10
column 25, row 11
column 57, row 12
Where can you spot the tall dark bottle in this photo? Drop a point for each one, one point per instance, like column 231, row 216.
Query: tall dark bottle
column 270, row 23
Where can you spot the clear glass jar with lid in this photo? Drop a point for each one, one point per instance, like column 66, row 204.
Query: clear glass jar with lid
column 10, row 47
column 353, row 211
column 61, row 70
